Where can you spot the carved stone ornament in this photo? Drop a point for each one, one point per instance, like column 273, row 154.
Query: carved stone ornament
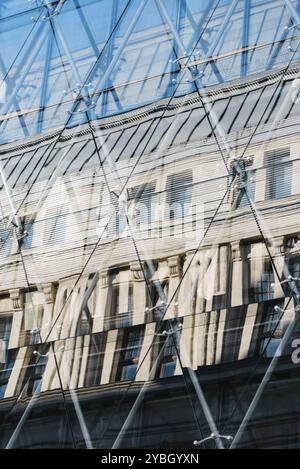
column 17, row 298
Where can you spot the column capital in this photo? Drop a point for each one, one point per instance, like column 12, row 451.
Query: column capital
column 236, row 250
column 174, row 266
column 136, row 271
column 17, row 298
column 103, row 277
column 49, row 292
column 278, row 245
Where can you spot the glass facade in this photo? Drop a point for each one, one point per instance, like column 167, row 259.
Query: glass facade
column 149, row 233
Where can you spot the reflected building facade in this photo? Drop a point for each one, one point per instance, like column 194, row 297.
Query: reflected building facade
column 150, row 259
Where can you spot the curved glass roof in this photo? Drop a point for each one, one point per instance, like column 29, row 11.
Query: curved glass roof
column 129, row 53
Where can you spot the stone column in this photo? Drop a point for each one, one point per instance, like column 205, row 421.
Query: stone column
column 248, row 331
column 110, row 349
column 237, row 278
column 145, row 368
column 17, row 374
column 49, row 300
column 84, row 360
column 201, row 337
column 185, row 346
column 277, row 252
column 174, row 279
column 220, row 336
column 101, row 301
column 212, row 338
column 123, row 293
column 139, row 294
column 17, row 299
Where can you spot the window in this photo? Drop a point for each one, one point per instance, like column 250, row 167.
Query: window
column 115, row 299
column 144, row 203
column 119, row 219
column 167, row 365
column 35, row 371
column 5, row 330
column 5, row 371
column 6, row 237
column 55, row 227
column 262, row 289
column 179, row 194
column 249, row 191
column 154, row 292
column 140, row 202
column 279, row 173
column 34, row 313
column 28, row 233
column 84, row 326
column 130, row 299
column 130, row 353
column 261, row 274
column 271, row 330
column 233, row 330
column 95, row 360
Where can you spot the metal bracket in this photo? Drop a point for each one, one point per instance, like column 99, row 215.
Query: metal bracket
column 213, row 436
column 287, row 280
column 239, row 170
column 77, row 94
column 40, row 355
column 52, row 10
column 169, row 332
column 191, row 62
column 288, row 29
column 280, row 310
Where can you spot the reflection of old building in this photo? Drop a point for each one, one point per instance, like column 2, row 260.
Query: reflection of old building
column 124, row 312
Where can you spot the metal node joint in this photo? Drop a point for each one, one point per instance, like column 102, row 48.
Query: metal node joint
column 290, row 47
column 239, row 170
column 214, row 437
column 289, row 279
column 191, row 62
column 168, row 332
column 82, row 93
column 53, row 9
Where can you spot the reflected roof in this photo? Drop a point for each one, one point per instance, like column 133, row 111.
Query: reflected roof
column 89, row 59
column 237, row 109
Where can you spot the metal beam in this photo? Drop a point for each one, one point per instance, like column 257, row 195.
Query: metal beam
column 285, row 341
column 68, row 53
column 43, row 97
column 101, row 82
column 245, row 39
column 197, row 38
column 294, row 14
column 164, row 13
column 37, row 45
column 222, row 28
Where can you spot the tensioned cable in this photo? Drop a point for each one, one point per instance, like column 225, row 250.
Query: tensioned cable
column 120, row 402
column 258, row 225
column 238, row 160
column 145, row 278
column 125, row 184
column 52, row 345
column 113, row 30
column 53, row 325
column 20, row 50
column 228, row 189
column 169, row 321
column 262, row 235
column 76, row 102
column 20, row 244
column 28, row 284
column 293, row 296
